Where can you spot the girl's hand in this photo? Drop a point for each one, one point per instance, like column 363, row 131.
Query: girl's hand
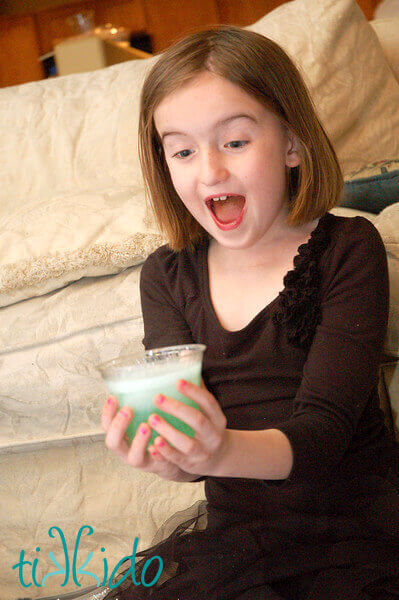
column 203, row 453
column 115, row 425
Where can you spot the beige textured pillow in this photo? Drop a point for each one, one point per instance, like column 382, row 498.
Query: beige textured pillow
column 342, row 62
column 55, row 242
column 387, row 32
column 70, row 203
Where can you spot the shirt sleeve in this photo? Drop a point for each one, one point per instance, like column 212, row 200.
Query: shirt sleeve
column 164, row 323
column 341, row 369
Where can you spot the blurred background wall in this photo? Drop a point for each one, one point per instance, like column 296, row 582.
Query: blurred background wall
column 30, row 29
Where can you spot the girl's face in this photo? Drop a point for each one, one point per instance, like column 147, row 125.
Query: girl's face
column 218, row 140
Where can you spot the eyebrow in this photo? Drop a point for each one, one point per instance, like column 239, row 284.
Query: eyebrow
column 217, row 124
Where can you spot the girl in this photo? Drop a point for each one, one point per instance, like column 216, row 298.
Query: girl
column 301, row 478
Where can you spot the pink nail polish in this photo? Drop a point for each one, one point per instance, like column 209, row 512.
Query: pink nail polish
column 155, row 419
column 143, row 430
column 183, row 383
column 161, row 443
column 160, row 398
column 125, row 414
column 110, row 400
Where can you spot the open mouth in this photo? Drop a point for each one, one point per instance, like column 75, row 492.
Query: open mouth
column 227, row 212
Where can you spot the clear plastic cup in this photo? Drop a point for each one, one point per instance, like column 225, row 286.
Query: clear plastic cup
column 135, row 380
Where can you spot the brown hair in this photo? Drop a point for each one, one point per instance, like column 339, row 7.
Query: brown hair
column 262, row 69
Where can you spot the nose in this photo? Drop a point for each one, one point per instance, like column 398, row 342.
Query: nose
column 213, row 167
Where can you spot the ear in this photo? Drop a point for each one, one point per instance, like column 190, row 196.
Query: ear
column 292, row 156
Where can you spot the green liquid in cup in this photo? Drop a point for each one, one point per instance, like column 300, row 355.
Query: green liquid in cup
column 138, row 392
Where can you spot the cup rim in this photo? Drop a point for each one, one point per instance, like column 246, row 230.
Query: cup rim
column 113, row 362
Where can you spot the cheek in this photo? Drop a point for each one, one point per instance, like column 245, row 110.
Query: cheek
column 269, row 167
column 181, row 184
column 181, row 181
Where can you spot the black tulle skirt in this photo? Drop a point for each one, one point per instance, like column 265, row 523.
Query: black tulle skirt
column 210, row 553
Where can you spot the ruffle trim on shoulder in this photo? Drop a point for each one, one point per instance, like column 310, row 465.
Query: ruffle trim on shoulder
column 298, row 308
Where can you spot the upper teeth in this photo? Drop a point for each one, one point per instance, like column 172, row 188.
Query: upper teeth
column 220, row 198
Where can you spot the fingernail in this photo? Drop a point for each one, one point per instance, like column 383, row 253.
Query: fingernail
column 110, row 400
column 125, row 413
column 182, row 383
column 155, row 419
column 143, row 430
column 160, row 442
column 160, row 398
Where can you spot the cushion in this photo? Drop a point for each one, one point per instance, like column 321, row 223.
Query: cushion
column 71, row 180
column 340, row 58
column 387, row 32
column 372, row 188
column 70, row 202
column 387, row 8
column 69, row 486
column 388, row 389
column 387, row 223
column 86, row 234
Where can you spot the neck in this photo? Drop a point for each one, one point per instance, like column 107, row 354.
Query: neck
column 268, row 251
column 229, row 262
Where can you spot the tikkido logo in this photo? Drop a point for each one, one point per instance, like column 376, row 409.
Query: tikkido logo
column 66, row 571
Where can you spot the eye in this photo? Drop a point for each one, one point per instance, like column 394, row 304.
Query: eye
column 242, row 142
column 177, row 154
column 237, row 142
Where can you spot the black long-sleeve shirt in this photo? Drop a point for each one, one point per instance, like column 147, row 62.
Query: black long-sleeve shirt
column 324, row 396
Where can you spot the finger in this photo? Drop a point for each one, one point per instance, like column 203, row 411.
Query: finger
column 109, row 411
column 205, row 400
column 162, row 448
column 171, row 436
column 167, row 452
column 156, row 452
column 188, row 414
column 115, row 438
column 137, row 455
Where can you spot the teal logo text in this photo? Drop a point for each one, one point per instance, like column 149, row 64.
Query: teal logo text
column 66, row 570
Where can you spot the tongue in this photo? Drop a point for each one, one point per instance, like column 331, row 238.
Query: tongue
column 228, row 210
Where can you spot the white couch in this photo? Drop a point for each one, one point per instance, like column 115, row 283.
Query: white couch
column 74, row 233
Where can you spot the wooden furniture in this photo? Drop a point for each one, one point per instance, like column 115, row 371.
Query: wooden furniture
column 28, row 28
column 88, row 52
column 19, row 50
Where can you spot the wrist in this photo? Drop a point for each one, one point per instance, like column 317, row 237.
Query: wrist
column 222, row 465
column 184, row 477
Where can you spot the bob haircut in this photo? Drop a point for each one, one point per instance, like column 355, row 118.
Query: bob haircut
column 261, row 68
